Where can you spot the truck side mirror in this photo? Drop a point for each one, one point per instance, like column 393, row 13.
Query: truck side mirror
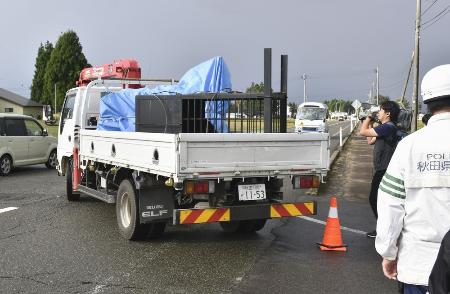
column 45, row 133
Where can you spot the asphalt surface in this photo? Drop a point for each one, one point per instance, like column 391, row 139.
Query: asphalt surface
column 48, row 245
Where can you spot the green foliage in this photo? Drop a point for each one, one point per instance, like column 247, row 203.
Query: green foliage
column 405, row 103
column 37, row 86
column 382, row 99
column 63, row 68
column 339, row 105
column 293, row 109
column 255, row 88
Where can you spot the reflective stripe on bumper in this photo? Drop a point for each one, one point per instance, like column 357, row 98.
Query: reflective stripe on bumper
column 247, row 212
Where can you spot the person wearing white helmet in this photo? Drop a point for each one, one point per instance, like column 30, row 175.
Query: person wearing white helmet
column 414, row 194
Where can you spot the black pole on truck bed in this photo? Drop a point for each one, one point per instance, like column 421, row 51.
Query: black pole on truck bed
column 267, row 90
column 283, row 89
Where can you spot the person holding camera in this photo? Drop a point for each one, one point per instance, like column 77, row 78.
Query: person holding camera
column 384, row 138
column 414, row 196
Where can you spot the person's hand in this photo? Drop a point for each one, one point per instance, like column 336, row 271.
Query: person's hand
column 390, row 269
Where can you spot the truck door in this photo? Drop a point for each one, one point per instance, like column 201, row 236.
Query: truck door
column 66, row 127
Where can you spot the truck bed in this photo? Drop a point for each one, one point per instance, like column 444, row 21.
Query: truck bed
column 210, row 155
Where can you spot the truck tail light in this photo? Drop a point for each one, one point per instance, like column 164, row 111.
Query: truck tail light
column 199, row 187
column 306, row 182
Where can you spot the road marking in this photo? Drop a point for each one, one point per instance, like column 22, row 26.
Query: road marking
column 340, row 131
column 8, row 209
column 324, row 223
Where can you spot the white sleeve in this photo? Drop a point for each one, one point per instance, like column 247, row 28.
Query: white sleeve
column 390, row 204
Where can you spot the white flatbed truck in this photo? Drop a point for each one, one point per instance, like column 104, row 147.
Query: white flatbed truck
column 156, row 179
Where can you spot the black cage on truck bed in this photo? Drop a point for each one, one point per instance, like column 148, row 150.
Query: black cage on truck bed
column 211, row 113
column 218, row 112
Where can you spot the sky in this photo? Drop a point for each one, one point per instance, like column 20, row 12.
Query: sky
column 337, row 44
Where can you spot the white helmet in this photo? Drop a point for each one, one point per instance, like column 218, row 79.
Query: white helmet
column 436, row 84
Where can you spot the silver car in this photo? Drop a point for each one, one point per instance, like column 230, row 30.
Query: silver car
column 23, row 141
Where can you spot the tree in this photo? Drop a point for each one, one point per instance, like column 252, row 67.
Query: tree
column 382, row 99
column 43, row 56
column 66, row 62
column 293, row 109
column 405, row 103
column 255, row 88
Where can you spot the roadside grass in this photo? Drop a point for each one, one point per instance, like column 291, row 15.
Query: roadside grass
column 52, row 130
column 252, row 124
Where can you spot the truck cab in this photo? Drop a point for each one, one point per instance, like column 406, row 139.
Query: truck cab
column 71, row 117
column 81, row 108
column 311, row 117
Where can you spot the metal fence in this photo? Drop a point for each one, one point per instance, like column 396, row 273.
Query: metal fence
column 211, row 113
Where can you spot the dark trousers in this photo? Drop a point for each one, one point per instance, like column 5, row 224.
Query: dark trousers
column 415, row 289
column 439, row 282
column 376, row 180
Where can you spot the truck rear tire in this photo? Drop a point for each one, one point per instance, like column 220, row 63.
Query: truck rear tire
column 71, row 196
column 246, row 226
column 127, row 213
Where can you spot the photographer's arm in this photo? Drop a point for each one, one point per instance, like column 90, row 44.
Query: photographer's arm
column 367, row 129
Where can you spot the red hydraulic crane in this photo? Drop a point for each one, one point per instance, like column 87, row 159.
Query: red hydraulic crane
column 121, row 69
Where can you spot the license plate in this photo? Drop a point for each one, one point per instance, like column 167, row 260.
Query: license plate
column 252, row 192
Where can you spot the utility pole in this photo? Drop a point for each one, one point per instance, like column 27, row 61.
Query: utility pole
column 304, row 77
column 416, row 69
column 372, row 92
column 378, row 86
column 407, row 80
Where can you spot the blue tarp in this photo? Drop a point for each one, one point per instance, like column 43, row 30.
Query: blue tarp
column 117, row 109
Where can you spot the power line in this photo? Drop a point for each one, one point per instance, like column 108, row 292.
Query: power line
column 392, row 85
column 430, row 24
column 428, row 8
column 437, row 16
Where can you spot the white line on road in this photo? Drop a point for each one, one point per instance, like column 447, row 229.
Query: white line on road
column 8, row 209
column 324, row 223
column 344, row 128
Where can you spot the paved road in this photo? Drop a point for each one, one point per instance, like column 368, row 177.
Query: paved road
column 49, row 245
column 334, row 131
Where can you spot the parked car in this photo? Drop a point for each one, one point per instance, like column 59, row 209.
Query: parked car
column 23, row 141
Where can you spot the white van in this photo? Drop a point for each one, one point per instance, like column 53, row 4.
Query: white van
column 311, row 117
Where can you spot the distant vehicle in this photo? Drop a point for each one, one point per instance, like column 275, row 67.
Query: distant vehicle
column 48, row 116
column 311, row 117
column 23, row 141
column 236, row 115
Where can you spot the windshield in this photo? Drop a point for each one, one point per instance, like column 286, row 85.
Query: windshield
column 67, row 110
column 312, row 113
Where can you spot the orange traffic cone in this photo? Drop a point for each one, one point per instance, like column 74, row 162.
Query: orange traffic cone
column 332, row 238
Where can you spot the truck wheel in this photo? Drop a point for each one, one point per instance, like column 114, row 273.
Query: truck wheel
column 71, row 196
column 52, row 160
column 127, row 213
column 5, row 165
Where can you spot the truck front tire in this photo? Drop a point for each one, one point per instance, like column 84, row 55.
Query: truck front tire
column 127, row 213
column 71, row 196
